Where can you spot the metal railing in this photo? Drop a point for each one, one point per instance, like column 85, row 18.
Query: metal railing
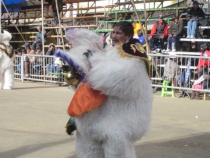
column 41, row 68
column 180, row 70
column 183, row 71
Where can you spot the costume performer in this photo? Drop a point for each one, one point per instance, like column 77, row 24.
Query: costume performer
column 112, row 104
column 6, row 61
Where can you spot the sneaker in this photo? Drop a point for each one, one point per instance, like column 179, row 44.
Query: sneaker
column 192, row 37
column 173, row 50
column 188, row 36
column 168, row 50
column 158, row 50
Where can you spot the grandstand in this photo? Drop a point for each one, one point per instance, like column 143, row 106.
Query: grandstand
column 96, row 15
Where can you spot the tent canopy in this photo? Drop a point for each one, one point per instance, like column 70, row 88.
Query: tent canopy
column 13, row 5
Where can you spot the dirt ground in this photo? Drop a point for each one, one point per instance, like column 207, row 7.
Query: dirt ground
column 33, row 118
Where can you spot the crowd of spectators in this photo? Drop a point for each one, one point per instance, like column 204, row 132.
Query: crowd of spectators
column 35, row 63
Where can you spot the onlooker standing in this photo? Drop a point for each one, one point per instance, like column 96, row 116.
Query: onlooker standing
column 194, row 16
column 174, row 32
column 159, row 33
column 171, row 70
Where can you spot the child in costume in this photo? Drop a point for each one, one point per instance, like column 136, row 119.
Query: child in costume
column 112, row 104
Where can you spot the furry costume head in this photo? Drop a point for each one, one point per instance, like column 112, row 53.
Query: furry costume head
column 5, row 37
column 85, row 43
column 5, row 46
column 84, row 37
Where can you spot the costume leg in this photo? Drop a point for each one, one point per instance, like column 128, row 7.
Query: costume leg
column 87, row 148
column 8, row 78
column 189, row 26
column 194, row 26
column 118, row 148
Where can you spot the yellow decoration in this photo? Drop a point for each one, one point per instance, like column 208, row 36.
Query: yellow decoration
column 70, row 79
column 7, row 50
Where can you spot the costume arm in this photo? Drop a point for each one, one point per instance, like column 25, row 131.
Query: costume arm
column 113, row 77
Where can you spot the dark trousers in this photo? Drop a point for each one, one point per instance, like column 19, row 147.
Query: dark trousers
column 155, row 40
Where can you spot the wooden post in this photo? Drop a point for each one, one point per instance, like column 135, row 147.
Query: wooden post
column 145, row 33
column 59, row 20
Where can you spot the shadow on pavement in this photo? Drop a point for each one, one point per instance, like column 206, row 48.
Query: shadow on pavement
column 197, row 146
column 30, row 149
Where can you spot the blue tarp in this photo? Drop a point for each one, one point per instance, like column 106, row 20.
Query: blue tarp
column 14, row 5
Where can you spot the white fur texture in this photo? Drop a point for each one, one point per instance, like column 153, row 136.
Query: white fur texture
column 6, row 64
column 110, row 130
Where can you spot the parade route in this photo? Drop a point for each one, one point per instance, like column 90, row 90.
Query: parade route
column 33, row 118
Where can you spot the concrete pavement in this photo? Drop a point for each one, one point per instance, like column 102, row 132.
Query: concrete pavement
column 33, row 118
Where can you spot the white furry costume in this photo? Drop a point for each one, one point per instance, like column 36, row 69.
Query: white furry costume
column 6, row 61
column 110, row 130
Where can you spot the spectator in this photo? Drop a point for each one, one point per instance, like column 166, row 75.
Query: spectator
column 174, row 32
column 50, row 52
column 136, row 27
column 141, row 37
column 27, row 59
column 201, row 83
column 172, row 70
column 26, row 45
column 38, row 60
column 190, row 2
column 38, row 39
column 203, row 63
column 194, row 16
column 159, row 33
column 56, row 66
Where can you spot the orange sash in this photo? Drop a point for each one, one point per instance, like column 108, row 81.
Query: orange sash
column 84, row 100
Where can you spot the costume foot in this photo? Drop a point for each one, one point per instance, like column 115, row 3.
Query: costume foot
column 7, row 88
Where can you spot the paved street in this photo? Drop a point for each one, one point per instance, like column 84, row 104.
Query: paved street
column 33, row 118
